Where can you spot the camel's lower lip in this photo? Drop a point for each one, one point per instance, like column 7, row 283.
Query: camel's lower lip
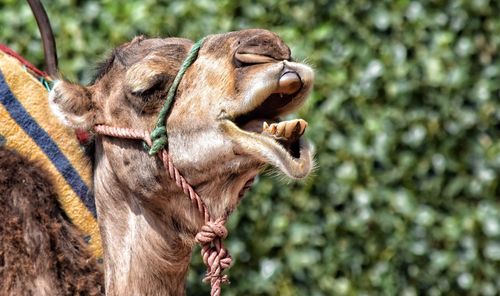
column 268, row 150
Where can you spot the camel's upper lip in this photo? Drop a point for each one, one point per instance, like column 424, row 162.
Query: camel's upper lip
column 276, row 101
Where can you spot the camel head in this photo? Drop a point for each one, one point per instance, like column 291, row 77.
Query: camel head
column 225, row 124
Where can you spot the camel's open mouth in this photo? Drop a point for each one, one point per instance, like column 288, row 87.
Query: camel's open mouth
column 265, row 121
column 262, row 134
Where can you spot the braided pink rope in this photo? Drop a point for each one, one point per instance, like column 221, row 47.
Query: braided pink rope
column 122, row 132
column 215, row 256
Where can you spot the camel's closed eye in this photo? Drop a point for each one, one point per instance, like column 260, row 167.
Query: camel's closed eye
column 147, row 83
column 147, row 77
column 151, row 85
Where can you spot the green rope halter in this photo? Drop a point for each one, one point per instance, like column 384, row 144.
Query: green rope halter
column 159, row 137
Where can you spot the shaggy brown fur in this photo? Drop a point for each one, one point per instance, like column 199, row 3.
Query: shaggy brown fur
column 41, row 252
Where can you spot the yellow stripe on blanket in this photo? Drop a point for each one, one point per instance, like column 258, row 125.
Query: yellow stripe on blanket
column 30, row 96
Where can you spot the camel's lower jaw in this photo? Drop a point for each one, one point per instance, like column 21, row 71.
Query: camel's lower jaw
column 269, row 150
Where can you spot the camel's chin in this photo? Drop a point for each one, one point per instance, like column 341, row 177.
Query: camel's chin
column 293, row 158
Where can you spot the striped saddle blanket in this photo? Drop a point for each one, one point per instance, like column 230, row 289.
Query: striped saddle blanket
column 27, row 126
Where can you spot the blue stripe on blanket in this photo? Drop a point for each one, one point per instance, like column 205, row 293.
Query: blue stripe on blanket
column 46, row 144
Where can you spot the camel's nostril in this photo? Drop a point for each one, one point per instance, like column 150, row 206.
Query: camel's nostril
column 289, row 83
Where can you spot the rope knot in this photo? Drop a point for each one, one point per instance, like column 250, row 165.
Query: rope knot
column 158, row 132
column 214, row 254
column 159, row 139
column 210, row 231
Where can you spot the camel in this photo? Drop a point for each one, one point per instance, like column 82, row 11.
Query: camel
column 223, row 130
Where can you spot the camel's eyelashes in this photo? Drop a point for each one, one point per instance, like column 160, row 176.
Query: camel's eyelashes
column 151, row 86
column 145, row 78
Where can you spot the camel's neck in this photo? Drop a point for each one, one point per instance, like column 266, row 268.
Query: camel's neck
column 147, row 241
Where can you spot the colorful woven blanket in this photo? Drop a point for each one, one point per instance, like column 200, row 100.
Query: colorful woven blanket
column 28, row 126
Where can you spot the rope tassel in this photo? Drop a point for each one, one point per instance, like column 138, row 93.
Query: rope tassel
column 214, row 255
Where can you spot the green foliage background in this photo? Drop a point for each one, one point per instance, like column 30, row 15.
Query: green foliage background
column 405, row 117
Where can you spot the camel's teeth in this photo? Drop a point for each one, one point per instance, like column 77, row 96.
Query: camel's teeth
column 291, row 129
column 272, row 128
column 303, row 125
column 281, row 129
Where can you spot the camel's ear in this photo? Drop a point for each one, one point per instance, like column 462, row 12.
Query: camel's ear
column 72, row 104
